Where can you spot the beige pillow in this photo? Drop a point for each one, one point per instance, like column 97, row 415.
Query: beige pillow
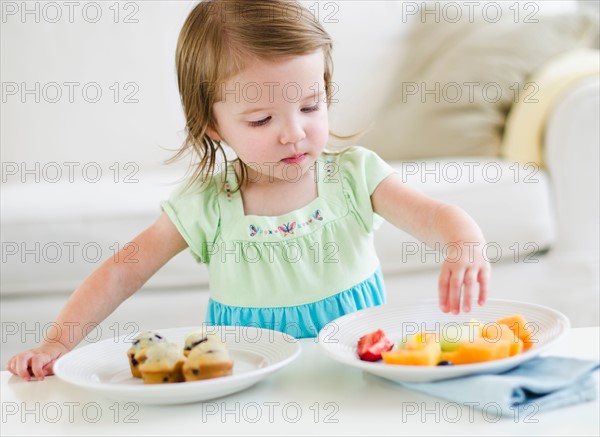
column 457, row 84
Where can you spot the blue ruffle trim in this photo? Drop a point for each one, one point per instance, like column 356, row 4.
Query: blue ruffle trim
column 301, row 321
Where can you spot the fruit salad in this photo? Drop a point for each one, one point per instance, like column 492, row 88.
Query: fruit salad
column 472, row 342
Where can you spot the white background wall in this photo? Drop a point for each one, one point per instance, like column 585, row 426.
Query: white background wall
column 47, row 45
column 138, row 56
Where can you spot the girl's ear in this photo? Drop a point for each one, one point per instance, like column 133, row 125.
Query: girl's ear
column 213, row 134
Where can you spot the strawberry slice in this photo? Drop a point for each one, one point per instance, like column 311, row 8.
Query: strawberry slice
column 371, row 346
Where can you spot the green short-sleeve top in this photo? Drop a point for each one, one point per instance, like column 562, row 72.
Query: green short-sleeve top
column 304, row 256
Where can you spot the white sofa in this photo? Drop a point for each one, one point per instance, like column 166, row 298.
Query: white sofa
column 542, row 228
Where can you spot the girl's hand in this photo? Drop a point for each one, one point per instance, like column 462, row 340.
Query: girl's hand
column 36, row 362
column 464, row 268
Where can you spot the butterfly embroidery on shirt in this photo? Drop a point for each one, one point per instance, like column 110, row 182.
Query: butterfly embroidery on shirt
column 287, row 228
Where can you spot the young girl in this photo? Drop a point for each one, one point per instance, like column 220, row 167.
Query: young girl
column 286, row 228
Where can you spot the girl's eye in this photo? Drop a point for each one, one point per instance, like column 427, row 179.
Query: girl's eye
column 266, row 119
column 259, row 122
column 311, row 108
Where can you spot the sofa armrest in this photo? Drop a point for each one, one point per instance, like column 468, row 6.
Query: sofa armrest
column 571, row 156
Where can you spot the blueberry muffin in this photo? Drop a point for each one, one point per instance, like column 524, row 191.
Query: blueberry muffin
column 163, row 364
column 137, row 352
column 209, row 358
column 194, row 339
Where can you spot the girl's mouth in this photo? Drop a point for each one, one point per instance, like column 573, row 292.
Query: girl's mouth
column 296, row 159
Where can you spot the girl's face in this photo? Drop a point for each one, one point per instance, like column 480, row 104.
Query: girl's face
column 274, row 116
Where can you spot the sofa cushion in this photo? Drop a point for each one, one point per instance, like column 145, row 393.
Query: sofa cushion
column 512, row 203
column 523, row 138
column 454, row 88
column 55, row 235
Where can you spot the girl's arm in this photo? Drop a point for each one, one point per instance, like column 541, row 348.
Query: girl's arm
column 440, row 226
column 100, row 294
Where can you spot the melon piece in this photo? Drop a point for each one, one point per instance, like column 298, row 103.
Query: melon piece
column 453, row 335
column 516, row 348
column 518, row 325
column 421, row 349
column 479, row 350
column 418, row 340
column 497, row 332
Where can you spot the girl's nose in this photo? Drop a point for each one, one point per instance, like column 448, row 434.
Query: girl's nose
column 292, row 132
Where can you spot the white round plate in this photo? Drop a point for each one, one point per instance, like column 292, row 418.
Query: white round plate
column 104, row 366
column 339, row 338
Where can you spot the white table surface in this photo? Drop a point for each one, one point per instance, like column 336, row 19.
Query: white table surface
column 314, row 395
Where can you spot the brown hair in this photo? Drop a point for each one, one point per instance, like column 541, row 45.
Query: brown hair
column 218, row 38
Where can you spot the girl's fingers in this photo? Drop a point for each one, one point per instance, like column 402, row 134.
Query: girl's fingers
column 443, row 284
column 49, row 367
column 10, row 365
column 456, row 279
column 34, row 363
column 484, row 279
column 22, row 365
column 37, row 366
column 456, row 282
column 470, row 280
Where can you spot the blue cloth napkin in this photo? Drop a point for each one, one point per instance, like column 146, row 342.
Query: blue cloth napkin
column 539, row 384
